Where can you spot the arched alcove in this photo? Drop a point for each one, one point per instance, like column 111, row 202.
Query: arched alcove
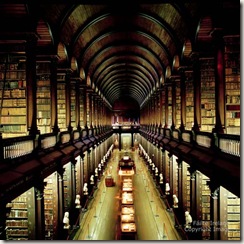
column 62, row 53
column 204, row 28
column 167, row 72
column 176, row 63
column 73, row 65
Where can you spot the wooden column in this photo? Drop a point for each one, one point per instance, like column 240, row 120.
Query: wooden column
column 120, row 142
column 132, row 140
column 183, row 98
column 40, row 217
column 60, row 173
column 193, row 210
column 3, row 217
column 88, row 166
column 215, row 213
column 77, row 104
column 173, row 103
column 160, row 108
column 166, row 108
column 180, row 192
column 53, row 81
column 31, row 85
column 68, row 101
column 197, row 92
column 218, row 42
column 73, row 213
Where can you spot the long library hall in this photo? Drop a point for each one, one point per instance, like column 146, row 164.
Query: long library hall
column 120, row 121
column 106, row 213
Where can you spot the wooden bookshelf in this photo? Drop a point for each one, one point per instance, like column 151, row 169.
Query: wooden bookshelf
column 233, row 217
column 189, row 101
column 43, row 97
column 178, row 105
column 232, row 84
column 205, row 209
column 207, row 94
column 166, row 167
column 50, row 207
column 170, row 112
column 78, row 175
column 163, row 106
column 73, row 105
column 82, row 107
column 13, row 95
column 175, row 175
column 61, row 101
column 88, row 109
column 188, row 189
column 230, row 217
column 67, row 186
column 186, row 186
column 20, row 220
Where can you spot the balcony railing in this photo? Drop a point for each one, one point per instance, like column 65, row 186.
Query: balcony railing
column 17, row 147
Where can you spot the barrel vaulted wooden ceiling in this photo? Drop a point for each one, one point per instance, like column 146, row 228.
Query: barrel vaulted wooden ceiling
column 121, row 49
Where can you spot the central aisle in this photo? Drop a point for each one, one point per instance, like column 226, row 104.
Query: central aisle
column 153, row 222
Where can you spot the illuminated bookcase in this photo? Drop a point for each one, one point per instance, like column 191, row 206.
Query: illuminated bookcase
column 21, row 219
column 207, row 94
column 186, row 186
column 82, row 107
column 178, row 105
column 78, row 175
column 13, row 95
column 73, row 104
column 88, row 109
column 233, row 217
column 175, row 175
column 61, row 101
column 189, row 101
column 163, row 106
column 43, row 97
column 188, row 189
column 50, row 207
column 67, row 186
column 170, row 106
column 205, row 202
column 232, row 84
column 166, row 166
column 230, row 217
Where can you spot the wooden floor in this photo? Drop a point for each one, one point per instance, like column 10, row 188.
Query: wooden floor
column 101, row 220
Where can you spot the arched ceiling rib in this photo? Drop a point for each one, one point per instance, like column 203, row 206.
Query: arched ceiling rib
column 140, row 39
column 125, row 68
column 111, row 35
column 142, row 57
column 111, row 82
